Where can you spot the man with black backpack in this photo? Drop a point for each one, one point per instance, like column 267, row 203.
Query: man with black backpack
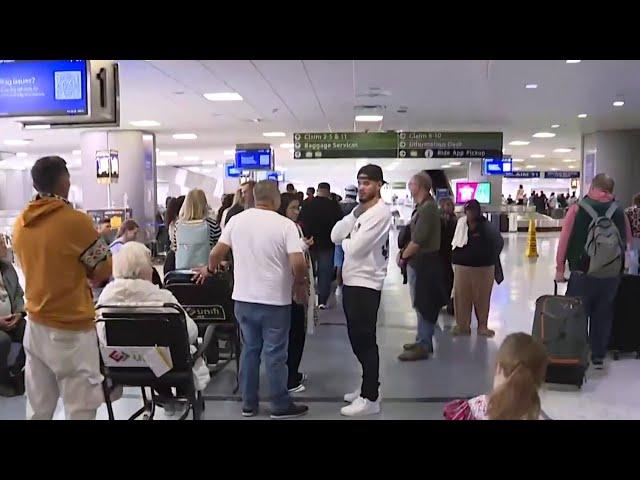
column 593, row 241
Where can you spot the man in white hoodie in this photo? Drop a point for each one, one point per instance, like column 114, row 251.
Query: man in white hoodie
column 364, row 236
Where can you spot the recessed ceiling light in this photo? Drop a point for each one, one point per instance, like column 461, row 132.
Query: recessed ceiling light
column 209, row 162
column 17, row 142
column 531, row 166
column 286, row 145
column 618, row 103
column 538, row 155
column 168, row 154
column 39, row 126
column 568, row 160
column 22, row 154
column 573, row 166
column 518, row 160
column 555, row 125
column 76, row 152
column 230, row 152
column 184, row 136
column 574, row 61
column 223, row 97
column 531, row 86
column 563, row 150
column 555, row 169
column 191, row 158
column 274, row 134
column 369, row 118
column 455, row 164
column 446, row 166
column 144, row 123
column 583, row 115
column 517, row 143
column 544, row 135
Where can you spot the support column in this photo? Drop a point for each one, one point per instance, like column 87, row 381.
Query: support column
column 475, row 175
column 137, row 176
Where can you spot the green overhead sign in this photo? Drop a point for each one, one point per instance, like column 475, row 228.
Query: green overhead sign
column 398, row 145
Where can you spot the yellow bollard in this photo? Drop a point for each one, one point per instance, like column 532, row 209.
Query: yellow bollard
column 532, row 243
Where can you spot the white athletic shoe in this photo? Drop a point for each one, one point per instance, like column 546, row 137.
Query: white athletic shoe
column 350, row 397
column 360, row 407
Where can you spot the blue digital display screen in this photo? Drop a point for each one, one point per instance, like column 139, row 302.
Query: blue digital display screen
column 254, row 159
column 233, row 172
column 497, row 166
column 46, row 88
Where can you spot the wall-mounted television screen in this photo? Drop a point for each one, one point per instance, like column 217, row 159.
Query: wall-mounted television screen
column 480, row 191
column 260, row 159
column 43, row 88
column 233, row 172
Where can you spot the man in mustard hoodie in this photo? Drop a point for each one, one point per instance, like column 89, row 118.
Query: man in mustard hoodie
column 60, row 254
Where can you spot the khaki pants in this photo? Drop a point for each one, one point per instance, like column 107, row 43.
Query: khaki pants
column 62, row 363
column 472, row 289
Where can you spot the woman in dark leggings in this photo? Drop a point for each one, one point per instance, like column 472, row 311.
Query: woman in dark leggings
column 290, row 208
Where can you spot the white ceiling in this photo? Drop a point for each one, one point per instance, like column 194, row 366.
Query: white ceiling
column 320, row 95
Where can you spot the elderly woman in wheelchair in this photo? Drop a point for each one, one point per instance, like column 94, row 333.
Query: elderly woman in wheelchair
column 132, row 287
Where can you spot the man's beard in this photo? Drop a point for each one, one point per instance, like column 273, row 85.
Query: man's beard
column 365, row 199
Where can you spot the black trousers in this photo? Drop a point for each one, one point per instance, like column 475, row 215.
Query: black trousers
column 361, row 309
column 297, row 337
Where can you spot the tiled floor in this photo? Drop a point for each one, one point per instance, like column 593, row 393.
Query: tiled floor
column 460, row 367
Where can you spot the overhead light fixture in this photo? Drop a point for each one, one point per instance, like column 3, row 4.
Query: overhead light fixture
column 168, row 154
column 618, row 103
column 517, row 160
column 569, row 160
column 191, row 158
column 531, row 166
column 554, row 169
column 455, row 164
column 583, row 115
column 40, row 126
column 563, row 150
column 446, row 166
column 531, row 86
column 544, row 135
column 22, row 154
column 555, row 125
column 184, row 136
column 519, row 143
column 76, row 152
column 161, row 163
column 573, row 166
column 369, row 118
column 286, row 145
column 538, row 155
column 574, row 61
column 223, row 97
column 274, row 134
column 144, row 123
column 209, row 162
column 17, row 142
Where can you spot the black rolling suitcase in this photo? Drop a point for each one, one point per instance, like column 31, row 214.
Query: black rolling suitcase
column 560, row 323
column 625, row 331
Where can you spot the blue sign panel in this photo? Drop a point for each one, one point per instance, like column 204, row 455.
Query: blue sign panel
column 523, row 174
column 254, row 159
column 568, row 174
column 233, row 172
column 43, row 88
column 497, row 166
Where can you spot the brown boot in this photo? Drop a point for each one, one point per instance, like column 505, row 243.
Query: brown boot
column 418, row 353
column 409, row 346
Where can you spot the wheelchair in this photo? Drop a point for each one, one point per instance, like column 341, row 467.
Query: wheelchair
column 131, row 333
column 210, row 304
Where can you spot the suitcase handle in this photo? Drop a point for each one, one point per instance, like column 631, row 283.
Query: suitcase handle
column 555, row 288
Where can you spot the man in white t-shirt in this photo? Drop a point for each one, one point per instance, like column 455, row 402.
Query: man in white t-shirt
column 364, row 236
column 268, row 266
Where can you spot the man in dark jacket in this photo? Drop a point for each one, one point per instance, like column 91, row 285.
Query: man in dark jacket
column 318, row 217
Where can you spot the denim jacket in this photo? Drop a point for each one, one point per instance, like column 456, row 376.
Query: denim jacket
column 11, row 283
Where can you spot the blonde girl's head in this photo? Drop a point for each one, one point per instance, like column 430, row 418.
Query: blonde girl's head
column 195, row 206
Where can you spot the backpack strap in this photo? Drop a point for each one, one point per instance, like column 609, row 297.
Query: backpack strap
column 589, row 209
column 611, row 210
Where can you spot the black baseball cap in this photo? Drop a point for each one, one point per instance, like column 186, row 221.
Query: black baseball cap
column 371, row 172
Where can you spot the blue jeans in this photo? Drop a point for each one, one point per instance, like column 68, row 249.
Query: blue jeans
column 597, row 295
column 426, row 326
column 338, row 257
column 324, row 271
column 264, row 328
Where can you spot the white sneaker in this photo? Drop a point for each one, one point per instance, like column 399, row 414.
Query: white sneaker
column 350, row 397
column 360, row 407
